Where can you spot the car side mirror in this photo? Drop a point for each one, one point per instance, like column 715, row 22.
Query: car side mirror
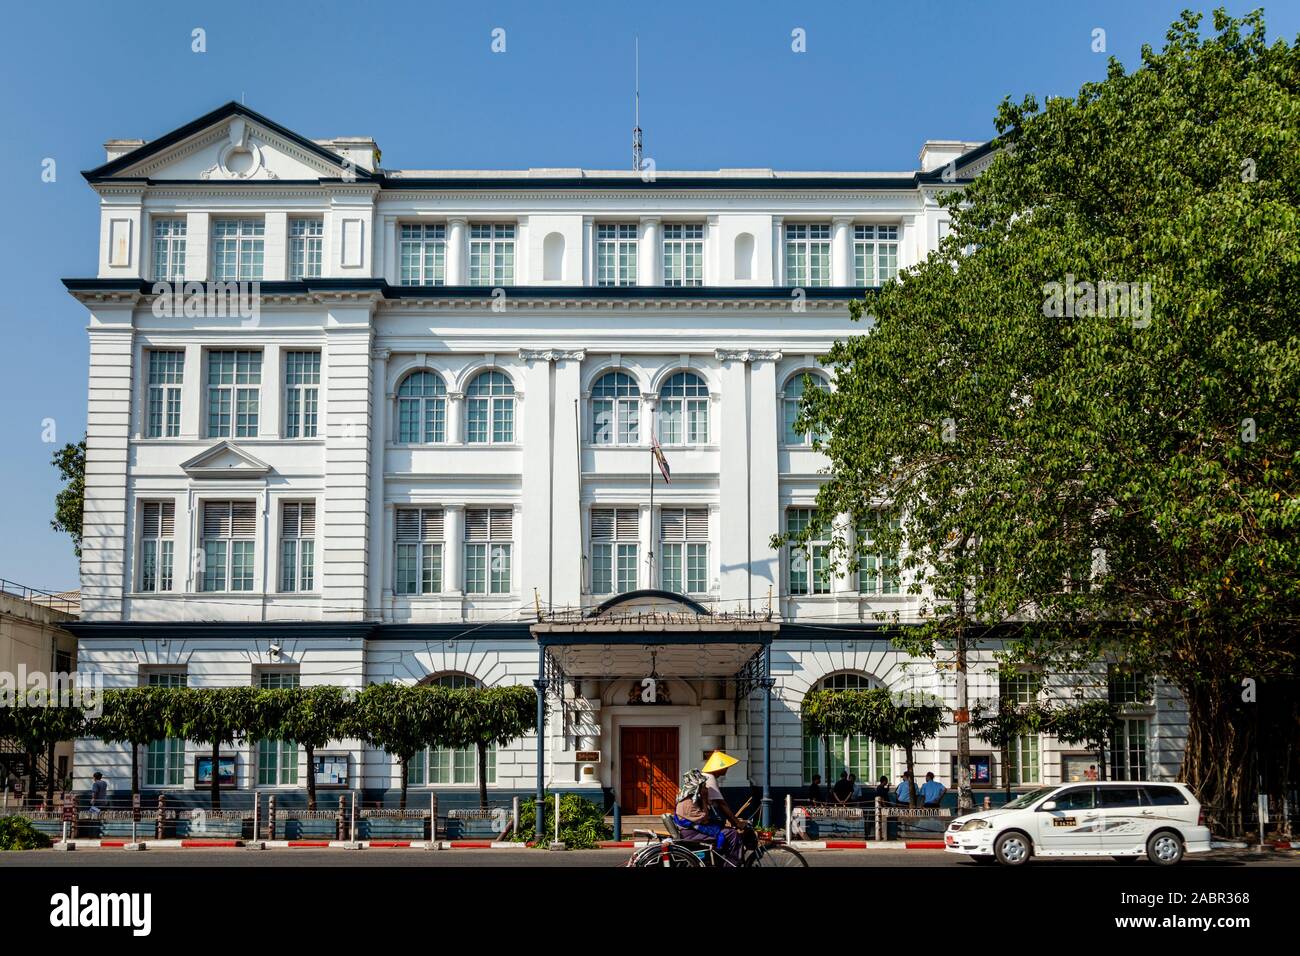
column 1048, row 805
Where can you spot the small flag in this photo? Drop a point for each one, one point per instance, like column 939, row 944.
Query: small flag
column 661, row 461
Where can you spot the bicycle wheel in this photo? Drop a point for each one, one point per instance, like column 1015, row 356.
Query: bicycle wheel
column 670, row 855
column 776, row 854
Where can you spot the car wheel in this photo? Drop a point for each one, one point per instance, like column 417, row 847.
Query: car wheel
column 1165, row 848
column 1013, row 848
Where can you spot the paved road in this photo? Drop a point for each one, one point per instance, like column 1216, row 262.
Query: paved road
column 96, row 858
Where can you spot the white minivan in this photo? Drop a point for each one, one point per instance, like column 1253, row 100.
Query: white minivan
column 1125, row 819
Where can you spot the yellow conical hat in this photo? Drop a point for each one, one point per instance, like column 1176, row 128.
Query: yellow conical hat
column 719, row 761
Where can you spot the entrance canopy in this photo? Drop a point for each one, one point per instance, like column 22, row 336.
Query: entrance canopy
column 646, row 631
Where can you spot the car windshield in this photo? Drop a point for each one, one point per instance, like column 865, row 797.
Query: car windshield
column 1026, row 799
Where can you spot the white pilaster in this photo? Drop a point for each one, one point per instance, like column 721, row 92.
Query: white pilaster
column 842, row 251
column 649, row 253
column 457, row 251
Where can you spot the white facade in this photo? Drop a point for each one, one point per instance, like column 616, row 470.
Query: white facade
column 465, row 340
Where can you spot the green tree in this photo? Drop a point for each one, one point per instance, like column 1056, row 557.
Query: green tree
column 212, row 715
column 1118, row 463
column 311, row 717
column 134, row 716
column 39, row 722
column 70, row 460
column 490, row 715
column 402, row 720
column 1087, row 722
column 904, row 720
column 1002, row 726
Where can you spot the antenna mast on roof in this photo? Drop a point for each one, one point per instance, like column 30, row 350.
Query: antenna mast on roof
column 636, row 130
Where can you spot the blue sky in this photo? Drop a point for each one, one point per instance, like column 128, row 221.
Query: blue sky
column 721, row 86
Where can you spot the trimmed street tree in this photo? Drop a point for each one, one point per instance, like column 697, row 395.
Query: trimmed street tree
column 211, row 715
column 133, row 716
column 311, row 717
column 1087, row 722
column 402, row 720
column 37, row 728
column 903, row 720
column 1002, row 726
column 1091, row 391
column 490, row 715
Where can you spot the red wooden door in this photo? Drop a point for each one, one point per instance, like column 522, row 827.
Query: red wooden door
column 650, row 769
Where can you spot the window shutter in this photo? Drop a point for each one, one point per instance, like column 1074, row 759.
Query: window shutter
column 243, row 519
column 152, row 519
column 697, row 524
column 168, row 519
column 476, row 524
column 216, row 519
column 307, row 511
column 629, row 524
column 502, row 523
column 431, row 524
column 408, row 524
column 672, row 524
column 602, row 524
column 289, row 521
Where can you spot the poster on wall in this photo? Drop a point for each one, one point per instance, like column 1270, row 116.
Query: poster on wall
column 331, row 770
column 203, row 773
column 981, row 770
column 1078, row 768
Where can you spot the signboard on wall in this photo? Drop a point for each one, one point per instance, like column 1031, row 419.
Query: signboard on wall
column 203, row 773
column 331, row 770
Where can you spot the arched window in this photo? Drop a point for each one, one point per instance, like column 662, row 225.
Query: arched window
column 794, row 391
column 446, row 766
column 615, row 410
column 421, row 409
column 490, row 409
column 854, row 754
column 684, row 410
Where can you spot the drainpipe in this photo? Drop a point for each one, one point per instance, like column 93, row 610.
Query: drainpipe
column 767, row 737
column 540, row 684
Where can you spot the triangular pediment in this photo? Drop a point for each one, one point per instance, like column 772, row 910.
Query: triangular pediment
column 225, row 460
column 230, row 144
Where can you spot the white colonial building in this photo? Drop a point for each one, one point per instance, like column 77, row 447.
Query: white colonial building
column 417, row 446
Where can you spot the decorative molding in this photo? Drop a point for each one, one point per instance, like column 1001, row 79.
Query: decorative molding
column 552, row 355
column 747, row 355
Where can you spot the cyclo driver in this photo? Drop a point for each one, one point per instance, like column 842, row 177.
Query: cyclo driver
column 703, row 815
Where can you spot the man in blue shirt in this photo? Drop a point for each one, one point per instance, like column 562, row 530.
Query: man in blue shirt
column 932, row 791
column 905, row 789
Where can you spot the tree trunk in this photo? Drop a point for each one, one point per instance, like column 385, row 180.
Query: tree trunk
column 49, row 774
column 482, row 775
column 311, row 775
column 216, row 775
column 401, row 805
column 911, row 778
column 1217, row 759
column 31, row 776
column 1101, row 761
column 965, row 800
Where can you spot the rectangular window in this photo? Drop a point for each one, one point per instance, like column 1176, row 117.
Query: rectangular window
column 684, row 537
column 422, row 254
column 810, row 571
column 1129, row 687
column 164, row 764
column 1024, row 765
column 488, row 542
column 157, row 529
column 615, row 533
column 237, row 249
column 166, row 374
column 616, row 251
column 301, row 393
column 306, row 238
column 877, row 573
column 684, row 254
column 1020, row 688
column 418, row 569
column 277, row 760
column 297, row 546
column 492, row 254
column 234, row 393
column 808, row 254
column 229, row 541
column 169, row 250
column 875, row 254
column 1129, row 757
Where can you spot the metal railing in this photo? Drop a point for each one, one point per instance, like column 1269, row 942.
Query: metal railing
column 50, row 599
